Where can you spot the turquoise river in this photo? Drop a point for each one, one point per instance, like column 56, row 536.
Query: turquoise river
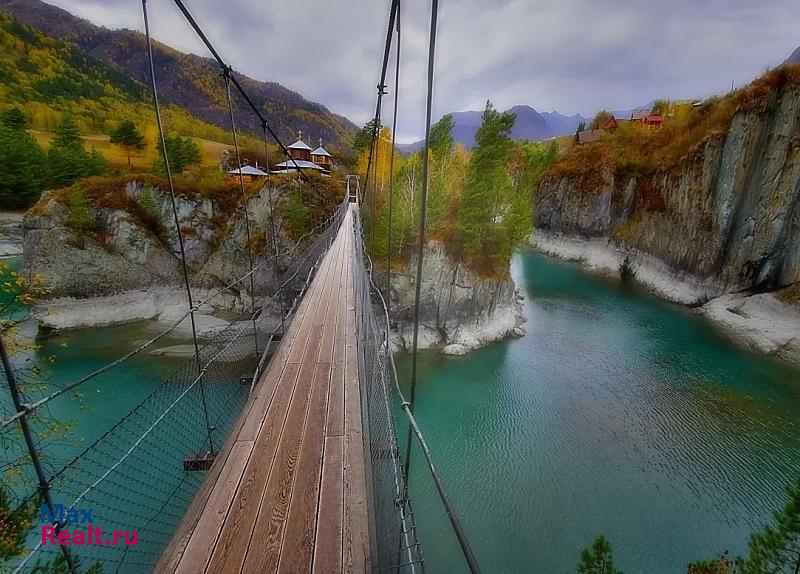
column 617, row 414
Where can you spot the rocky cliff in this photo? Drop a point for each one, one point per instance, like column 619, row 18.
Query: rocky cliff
column 127, row 265
column 723, row 219
column 459, row 311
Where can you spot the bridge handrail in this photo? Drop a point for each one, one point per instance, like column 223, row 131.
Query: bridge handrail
column 452, row 515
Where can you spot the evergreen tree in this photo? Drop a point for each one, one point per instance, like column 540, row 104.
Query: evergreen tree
column 66, row 133
column 597, row 559
column 441, row 138
column 776, row 549
column 128, row 138
column 486, row 190
column 79, row 217
column 440, row 145
column 22, row 168
column 363, row 139
column 14, row 119
column 182, row 152
column 67, row 158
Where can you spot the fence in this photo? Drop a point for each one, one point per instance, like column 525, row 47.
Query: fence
column 141, row 474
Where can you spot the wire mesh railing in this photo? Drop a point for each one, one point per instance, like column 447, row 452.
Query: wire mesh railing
column 397, row 547
column 119, row 499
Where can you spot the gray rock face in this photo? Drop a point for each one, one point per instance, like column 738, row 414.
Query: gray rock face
column 459, row 310
column 125, row 255
column 729, row 216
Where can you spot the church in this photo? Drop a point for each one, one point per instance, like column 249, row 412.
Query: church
column 303, row 157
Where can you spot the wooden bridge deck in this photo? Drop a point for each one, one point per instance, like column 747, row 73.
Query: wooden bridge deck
column 287, row 493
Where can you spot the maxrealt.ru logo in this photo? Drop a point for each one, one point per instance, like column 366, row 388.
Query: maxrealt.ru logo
column 85, row 533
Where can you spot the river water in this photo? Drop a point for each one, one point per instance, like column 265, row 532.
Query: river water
column 617, row 414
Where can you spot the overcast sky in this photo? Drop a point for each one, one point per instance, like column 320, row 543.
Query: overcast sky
column 566, row 55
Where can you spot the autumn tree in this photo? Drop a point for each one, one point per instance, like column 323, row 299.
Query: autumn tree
column 128, row 138
column 660, row 107
column 598, row 558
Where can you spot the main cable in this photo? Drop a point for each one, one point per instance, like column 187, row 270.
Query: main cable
column 381, row 90
column 225, row 67
column 163, row 141
column 391, row 161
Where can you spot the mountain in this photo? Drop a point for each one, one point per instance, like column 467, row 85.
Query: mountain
column 561, row 124
column 530, row 125
column 794, row 58
column 185, row 80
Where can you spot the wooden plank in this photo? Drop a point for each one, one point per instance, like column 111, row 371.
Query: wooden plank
column 298, row 540
column 229, row 551
column 328, row 545
column 265, row 543
column 199, row 548
column 356, row 542
column 269, row 527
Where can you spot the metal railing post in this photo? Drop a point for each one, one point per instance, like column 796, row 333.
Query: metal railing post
column 44, row 485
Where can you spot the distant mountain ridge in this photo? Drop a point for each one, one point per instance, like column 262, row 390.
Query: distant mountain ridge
column 186, row 80
column 530, row 125
column 795, row 57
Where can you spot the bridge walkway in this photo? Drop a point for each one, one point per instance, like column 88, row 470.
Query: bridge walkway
column 288, row 491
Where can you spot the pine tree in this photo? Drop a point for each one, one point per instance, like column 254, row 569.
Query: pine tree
column 128, row 138
column 776, row 549
column 182, row 152
column 68, row 160
column 597, row 559
column 486, row 190
column 67, row 134
column 79, row 217
column 22, row 167
column 14, row 119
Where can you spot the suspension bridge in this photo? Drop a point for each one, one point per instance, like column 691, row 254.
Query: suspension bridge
column 275, row 448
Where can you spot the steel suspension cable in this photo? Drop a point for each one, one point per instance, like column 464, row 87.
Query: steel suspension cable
column 391, row 159
column 199, row 31
column 163, row 142
column 423, row 219
column 381, row 89
column 408, row 406
column 226, row 76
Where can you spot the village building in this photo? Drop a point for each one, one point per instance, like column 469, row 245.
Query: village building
column 610, row 124
column 588, row 136
column 302, row 157
column 248, row 173
column 653, row 121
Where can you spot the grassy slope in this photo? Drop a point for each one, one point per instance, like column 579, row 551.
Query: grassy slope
column 633, row 150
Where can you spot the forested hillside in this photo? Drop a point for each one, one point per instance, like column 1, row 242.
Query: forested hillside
column 185, row 80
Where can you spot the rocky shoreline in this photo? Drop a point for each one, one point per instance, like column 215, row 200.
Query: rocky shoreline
column 761, row 322
column 459, row 310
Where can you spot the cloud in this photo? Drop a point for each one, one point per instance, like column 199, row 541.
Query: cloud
column 570, row 55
